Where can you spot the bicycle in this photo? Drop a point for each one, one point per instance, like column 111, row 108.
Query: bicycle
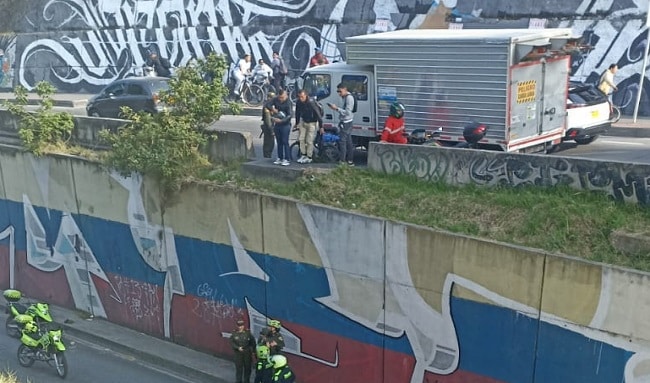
column 614, row 113
column 250, row 93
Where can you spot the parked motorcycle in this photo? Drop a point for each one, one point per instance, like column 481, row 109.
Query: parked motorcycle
column 40, row 344
column 473, row 133
column 39, row 311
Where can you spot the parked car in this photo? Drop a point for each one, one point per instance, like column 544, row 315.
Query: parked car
column 138, row 93
column 588, row 113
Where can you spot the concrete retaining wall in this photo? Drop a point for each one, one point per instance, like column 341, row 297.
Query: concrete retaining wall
column 221, row 146
column 623, row 181
column 361, row 299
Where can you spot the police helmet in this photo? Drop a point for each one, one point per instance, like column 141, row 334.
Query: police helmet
column 397, row 109
column 275, row 324
column 262, row 352
column 279, row 361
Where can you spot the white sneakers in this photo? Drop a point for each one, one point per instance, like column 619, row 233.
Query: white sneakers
column 277, row 162
column 285, row 163
column 304, row 160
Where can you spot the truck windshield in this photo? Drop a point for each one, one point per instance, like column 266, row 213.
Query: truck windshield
column 318, row 85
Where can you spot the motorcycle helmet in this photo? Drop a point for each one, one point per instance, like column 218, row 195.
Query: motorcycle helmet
column 397, row 110
column 474, row 132
column 262, row 352
column 279, row 361
column 275, row 324
column 280, row 115
column 418, row 136
column 40, row 310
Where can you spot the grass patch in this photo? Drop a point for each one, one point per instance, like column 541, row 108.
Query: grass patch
column 556, row 219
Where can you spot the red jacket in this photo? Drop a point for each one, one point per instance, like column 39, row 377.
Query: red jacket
column 394, row 131
column 318, row 59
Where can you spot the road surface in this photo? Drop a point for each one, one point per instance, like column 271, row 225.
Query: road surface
column 87, row 363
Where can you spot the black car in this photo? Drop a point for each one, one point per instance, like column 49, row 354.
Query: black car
column 138, row 93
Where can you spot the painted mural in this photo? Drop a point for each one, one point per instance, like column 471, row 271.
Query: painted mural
column 360, row 298
column 82, row 45
column 624, row 182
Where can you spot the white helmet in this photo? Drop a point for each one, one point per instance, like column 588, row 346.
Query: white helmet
column 279, row 361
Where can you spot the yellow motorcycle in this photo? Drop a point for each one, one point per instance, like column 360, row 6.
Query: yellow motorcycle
column 41, row 344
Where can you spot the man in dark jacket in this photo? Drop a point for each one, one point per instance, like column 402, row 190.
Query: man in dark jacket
column 267, row 126
column 308, row 115
column 283, row 114
column 159, row 64
column 243, row 344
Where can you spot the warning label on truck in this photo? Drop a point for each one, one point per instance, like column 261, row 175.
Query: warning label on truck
column 526, row 91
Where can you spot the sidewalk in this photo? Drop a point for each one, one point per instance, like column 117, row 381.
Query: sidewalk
column 623, row 128
column 197, row 366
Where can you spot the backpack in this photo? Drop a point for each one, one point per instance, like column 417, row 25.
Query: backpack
column 283, row 67
column 354, row 107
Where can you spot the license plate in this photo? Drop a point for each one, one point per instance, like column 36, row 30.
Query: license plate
column 594, row 114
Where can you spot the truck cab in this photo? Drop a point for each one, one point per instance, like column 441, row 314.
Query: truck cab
column 321, row 81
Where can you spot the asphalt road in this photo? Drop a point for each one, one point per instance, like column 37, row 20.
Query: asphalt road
column 624, row 149
column 87, row 363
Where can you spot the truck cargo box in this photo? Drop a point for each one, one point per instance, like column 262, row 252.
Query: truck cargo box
column 449, row 78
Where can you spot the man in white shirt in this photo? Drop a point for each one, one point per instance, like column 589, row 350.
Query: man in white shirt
column 262, row 72
column 242, row 69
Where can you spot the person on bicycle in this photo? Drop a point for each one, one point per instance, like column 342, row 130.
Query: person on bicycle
column 241, row 70
column 160, row 65
column 394, row 126
column 262, row 73
column 308, row 116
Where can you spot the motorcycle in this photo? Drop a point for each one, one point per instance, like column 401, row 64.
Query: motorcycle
column 40, row 344
column 472, row 134
column 39, row 311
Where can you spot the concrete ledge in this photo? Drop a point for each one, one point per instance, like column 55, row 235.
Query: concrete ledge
column 266, row 169
column 623, row 131
column 226, row 146
column 73, row 103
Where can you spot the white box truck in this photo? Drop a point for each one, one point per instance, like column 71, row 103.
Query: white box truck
column 515, row 81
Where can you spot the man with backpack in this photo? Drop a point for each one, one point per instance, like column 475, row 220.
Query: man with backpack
column 346, row 117
column 308, row 115
column 280, row 71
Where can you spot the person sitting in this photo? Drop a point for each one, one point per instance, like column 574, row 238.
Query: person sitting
column 394, row 126
column 262, row 73
column 318, row 58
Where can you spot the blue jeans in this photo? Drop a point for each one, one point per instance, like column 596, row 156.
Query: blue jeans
column 282, row 139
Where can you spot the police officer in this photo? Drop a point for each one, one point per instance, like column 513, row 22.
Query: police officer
column 272, row 338
column 243, row 344
column 264, row 366
column 282, row 373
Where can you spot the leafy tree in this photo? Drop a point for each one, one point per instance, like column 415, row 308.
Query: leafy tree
column 167, row 145
column 43, row 129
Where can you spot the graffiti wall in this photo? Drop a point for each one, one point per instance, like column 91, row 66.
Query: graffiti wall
column 81, row 45
column 622, row 181
column 360, row 299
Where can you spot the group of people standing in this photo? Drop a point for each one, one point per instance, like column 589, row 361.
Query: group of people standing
column 278, row 112
column 271, row 366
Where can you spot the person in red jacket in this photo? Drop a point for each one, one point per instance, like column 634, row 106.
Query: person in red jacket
column 394, row 125
column 318, row 58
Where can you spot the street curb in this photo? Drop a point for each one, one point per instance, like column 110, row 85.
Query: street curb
column 58, row 103
column 193, row 374
column 622, row 131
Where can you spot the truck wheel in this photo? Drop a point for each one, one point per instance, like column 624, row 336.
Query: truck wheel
column 586, row 141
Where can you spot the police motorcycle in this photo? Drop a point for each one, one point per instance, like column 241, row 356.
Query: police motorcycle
column 42, row 344
column 39, row 311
